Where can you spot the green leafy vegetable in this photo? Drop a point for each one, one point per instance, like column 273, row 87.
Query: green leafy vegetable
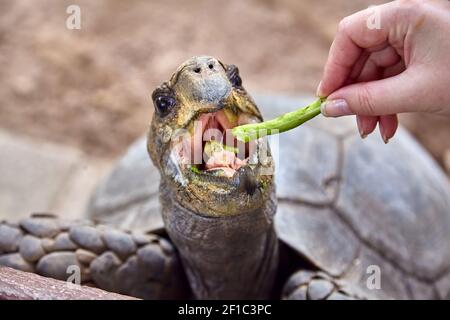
column 194, row 169
column 285, row 122
column 212, row 147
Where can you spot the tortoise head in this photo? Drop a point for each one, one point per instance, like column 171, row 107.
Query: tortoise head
column 190, row 140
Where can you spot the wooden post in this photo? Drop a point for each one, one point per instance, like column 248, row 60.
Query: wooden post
column 19, row 285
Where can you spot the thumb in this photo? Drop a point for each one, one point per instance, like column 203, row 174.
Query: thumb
column 381, row 97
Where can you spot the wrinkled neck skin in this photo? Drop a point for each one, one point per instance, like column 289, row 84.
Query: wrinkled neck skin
column 232, row 257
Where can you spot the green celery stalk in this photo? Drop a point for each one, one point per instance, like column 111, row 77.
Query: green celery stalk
column 215, row 146
column 285, row 122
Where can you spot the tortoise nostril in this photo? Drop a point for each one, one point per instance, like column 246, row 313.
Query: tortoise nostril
column 197, row 70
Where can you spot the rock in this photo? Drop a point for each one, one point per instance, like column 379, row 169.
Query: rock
column 55, row 265
column 31, row 248
column 103, row 269
column 41, row 227
column 120, row 242
column 85, row 256
column 87, row 237
column 319, row 289
column 9, row 238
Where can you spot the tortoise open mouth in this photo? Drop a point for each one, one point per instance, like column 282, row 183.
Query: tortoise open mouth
column 207, row 146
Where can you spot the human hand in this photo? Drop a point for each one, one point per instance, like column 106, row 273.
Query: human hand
column 403, row 66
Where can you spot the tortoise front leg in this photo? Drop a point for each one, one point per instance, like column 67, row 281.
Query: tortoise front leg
column 141, row 265
column 312, row 285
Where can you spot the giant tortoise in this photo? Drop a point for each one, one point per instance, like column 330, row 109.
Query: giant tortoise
column 350, row 218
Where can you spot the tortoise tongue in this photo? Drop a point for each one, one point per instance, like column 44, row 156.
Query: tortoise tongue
column 226, row 161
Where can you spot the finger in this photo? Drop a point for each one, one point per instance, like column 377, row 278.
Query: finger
column 344, row 53
column 370, row 65
column 388, row 126
column 366, row 125
column 358, row 68
column 385, row 58
column 370, row 72
column 381, row 97
column 352, row 37
column 394, row 70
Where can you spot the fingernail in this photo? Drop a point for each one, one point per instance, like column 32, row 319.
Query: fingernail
column 385, row 139
column 383, row 134
column 319, row 89
column 360, row 128
column 335, row 108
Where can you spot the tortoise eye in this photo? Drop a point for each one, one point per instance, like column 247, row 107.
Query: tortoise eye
column 164, row 104
column 163, row 100
column 233, row 75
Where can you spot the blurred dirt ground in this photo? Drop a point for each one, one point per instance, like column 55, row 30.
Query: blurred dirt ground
column 90, row 88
